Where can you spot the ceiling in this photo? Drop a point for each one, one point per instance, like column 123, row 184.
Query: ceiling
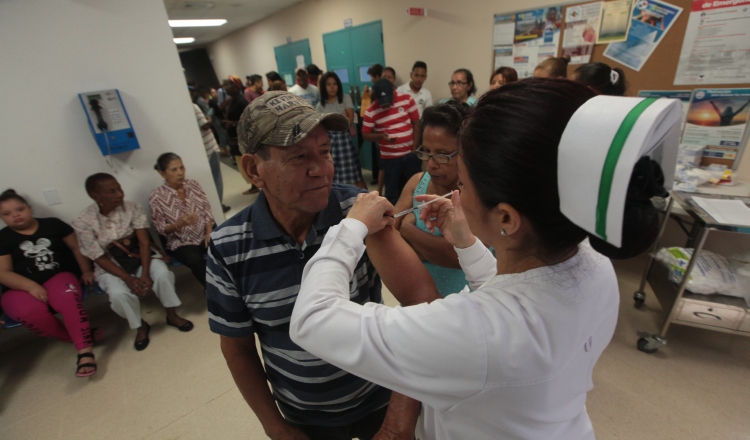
column 238, row 13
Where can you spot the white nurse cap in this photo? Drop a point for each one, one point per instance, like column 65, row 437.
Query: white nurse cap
column 600, row 146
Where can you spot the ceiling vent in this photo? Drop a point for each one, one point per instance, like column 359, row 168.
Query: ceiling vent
column 197, row 5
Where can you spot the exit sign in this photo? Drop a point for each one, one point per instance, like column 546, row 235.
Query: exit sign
column 419, row 12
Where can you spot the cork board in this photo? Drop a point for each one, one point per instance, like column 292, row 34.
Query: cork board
column 659, row 71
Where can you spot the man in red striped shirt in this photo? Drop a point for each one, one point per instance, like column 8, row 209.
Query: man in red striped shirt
column 393, row 121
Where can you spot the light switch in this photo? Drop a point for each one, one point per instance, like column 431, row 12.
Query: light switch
column 52, row 197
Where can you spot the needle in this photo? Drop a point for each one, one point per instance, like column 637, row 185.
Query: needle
column 416, row 208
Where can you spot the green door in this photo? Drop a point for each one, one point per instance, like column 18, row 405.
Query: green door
column 349, row 53
column 287, row 57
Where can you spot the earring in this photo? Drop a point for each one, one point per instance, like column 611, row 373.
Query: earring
column 503, row 233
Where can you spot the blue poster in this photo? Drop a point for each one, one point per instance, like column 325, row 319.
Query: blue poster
column 651, row 20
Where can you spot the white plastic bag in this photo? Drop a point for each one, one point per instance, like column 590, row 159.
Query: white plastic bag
column 712, row 273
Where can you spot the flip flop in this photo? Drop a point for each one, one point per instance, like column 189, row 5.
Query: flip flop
column 88, row 364
column 143, row 343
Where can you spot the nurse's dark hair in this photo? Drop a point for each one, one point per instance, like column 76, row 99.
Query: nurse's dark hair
column 448, row 115
column 162, row 162
column 93, row 181
column 509, row 145
column 598, row 76
column 11, row 194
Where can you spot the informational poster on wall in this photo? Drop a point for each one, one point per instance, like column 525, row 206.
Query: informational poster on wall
column 502, row 40
column 717, row 120
column 683, row 95
column 536, row 38
column 581, row 27
column 614, row 21
column 651, row 20
column 716, row 49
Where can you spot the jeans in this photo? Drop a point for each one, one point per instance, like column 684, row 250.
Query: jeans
column 215, row 164
column 397, row 172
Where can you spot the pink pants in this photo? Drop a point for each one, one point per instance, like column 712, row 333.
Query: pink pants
column 64, row 295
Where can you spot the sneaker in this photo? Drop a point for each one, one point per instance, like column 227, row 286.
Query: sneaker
column 225, row 208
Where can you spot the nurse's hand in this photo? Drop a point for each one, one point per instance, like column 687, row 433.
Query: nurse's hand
column 374, row 211
column 449, row 217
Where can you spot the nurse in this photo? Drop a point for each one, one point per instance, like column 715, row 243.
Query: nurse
column 514, row 357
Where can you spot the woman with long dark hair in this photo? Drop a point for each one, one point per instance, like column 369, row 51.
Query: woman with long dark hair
column 346, row 166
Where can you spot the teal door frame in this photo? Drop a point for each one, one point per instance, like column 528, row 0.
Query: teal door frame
column 350, row 52
column 286, row 58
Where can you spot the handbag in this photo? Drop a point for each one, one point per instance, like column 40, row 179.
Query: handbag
column 127, row 253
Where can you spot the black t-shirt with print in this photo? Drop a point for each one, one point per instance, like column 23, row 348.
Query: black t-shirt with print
column 41, row 255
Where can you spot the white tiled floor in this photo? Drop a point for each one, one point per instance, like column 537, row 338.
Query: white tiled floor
column 180, row 388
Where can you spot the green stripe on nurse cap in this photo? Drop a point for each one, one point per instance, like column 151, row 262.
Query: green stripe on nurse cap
column 598, row 150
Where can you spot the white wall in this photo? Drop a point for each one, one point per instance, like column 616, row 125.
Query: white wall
column 454, row 34
column 51, row 50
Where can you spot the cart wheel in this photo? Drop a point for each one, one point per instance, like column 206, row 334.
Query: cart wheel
column 639, row 298
column 643, row 344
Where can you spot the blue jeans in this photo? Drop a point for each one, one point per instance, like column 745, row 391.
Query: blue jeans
column 397, row 172
column 215, row 164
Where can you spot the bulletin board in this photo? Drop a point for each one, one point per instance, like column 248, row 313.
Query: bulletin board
column 658, row 72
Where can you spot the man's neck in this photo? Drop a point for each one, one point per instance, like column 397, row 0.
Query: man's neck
column 414, row 88
column 296, row 224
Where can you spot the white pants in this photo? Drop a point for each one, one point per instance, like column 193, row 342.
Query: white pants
column 126, row 304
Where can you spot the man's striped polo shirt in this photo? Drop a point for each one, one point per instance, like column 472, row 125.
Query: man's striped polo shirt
column 253, row 276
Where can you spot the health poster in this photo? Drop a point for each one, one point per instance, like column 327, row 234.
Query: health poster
column 614, row 21
column 651, row 21
column 536, row 38
column 717, row 120
column 716, row 48
column 581, row 27
column 502, row 43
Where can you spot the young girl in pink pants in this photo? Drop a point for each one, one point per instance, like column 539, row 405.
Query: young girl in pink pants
column 35, row 266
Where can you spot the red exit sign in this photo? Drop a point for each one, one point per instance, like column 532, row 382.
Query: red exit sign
column 419, row 12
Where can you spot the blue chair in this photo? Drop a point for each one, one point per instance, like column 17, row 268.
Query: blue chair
column 9, row 323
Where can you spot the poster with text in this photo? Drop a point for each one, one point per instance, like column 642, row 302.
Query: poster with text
column 536, row 38
column 614, row 21
column 716, row 49
column 651, row 20
column 581, row 27
column 502, row 43
column 717, row 120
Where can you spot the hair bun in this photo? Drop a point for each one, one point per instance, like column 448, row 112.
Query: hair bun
column 640, row 223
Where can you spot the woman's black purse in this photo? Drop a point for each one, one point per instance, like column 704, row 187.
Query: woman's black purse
column 127, row 253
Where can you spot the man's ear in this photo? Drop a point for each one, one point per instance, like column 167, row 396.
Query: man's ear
column 250, row 163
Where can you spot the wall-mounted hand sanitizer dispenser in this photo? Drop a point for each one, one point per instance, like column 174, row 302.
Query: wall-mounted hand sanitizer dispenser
column 109, row 122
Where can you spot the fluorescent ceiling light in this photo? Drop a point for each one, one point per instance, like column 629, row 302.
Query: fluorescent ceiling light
column 197, row 23
column 186, row 40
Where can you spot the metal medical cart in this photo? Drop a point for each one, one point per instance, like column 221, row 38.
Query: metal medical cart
column 712, row 312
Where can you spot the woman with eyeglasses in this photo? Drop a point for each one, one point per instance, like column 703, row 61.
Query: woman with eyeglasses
column 440, row 124
column 462, row 87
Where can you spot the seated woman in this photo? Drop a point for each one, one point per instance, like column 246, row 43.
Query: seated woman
column 602, row 79
column 440, row 124
column 111, row 224
column 181, row 212
column 513, row 358
column 502, row 76
column 36, row 265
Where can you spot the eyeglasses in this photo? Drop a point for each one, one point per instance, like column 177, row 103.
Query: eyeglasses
column 438, row 158
column 457, row 83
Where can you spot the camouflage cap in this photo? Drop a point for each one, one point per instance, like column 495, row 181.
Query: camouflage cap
column 282, row 119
